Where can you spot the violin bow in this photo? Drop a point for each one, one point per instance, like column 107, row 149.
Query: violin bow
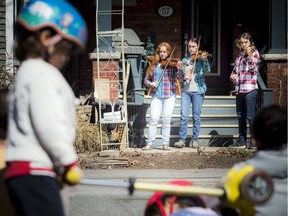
column 196, row 55
column 168, row 61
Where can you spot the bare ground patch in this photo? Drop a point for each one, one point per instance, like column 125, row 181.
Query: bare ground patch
column 219, row 159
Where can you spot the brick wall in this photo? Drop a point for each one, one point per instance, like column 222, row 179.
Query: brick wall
column 277, row 80
column 144, row 20
column 277, row 77
column 107, row 86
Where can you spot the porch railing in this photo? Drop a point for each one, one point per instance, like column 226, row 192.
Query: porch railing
column 265, row 94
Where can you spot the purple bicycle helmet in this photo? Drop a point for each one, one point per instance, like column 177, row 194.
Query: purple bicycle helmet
column 58, row 15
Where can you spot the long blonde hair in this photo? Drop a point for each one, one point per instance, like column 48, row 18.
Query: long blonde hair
column 154, row 61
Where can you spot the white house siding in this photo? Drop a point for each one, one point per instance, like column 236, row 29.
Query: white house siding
column 2, row 33
column 9, row 22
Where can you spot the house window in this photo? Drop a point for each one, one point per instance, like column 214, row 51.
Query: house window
column 205, row 23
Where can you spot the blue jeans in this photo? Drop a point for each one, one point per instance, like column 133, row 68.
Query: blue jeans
column 197, row 100
column 165, row 107
column 245, row 108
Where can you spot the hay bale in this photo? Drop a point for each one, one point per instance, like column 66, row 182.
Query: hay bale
column 87, row 138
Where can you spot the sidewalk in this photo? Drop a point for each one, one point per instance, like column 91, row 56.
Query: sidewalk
column 200, row 177
column 90, row 200
column 158, row 150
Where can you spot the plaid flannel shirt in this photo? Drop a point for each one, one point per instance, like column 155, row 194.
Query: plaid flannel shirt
column 247, row 71
column 202, row 68
column 167, row 86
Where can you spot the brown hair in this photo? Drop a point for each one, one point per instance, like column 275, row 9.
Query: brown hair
column 156, row 58
column 195, row 40
column 269, row 127
column 247, row 36
column 29, row 45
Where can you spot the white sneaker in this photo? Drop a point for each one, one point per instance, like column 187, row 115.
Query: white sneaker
column 179, row 144
column 194, row 144
column 166, row 147
column 147, row 147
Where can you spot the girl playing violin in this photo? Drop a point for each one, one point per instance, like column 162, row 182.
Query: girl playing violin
column 244, row 76
column 193, row 91
column 161, row 79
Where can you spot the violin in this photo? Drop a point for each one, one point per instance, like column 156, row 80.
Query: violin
column 199, row 55
column 172, row 62
column 253, row 48
column 163, row 63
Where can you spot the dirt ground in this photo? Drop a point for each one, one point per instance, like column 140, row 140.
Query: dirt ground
column 221, row 158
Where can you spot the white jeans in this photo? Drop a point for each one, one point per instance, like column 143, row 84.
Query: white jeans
column 165, row 107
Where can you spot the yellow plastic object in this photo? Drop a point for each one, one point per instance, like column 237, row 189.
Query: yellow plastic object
column 233, row 181
column 73, row 176
column 232, row 187
column 178, row 189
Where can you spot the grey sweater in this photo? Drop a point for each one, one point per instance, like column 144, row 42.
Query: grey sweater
column 275, row 164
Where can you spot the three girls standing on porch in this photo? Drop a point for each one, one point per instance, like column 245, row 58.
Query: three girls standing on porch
column 244, row 76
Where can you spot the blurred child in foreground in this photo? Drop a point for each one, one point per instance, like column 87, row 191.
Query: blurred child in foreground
column 6, row 207
column 161, row 204
column 269, row 132
column 41, row 116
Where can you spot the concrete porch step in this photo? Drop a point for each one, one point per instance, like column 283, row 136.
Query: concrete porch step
column 219, row 124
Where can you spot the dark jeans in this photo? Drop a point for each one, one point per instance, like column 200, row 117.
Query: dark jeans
column 245, row 108
column 35, row 195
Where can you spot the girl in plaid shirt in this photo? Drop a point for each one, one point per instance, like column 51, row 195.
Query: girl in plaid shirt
column 163, row 92
column 244, row 76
